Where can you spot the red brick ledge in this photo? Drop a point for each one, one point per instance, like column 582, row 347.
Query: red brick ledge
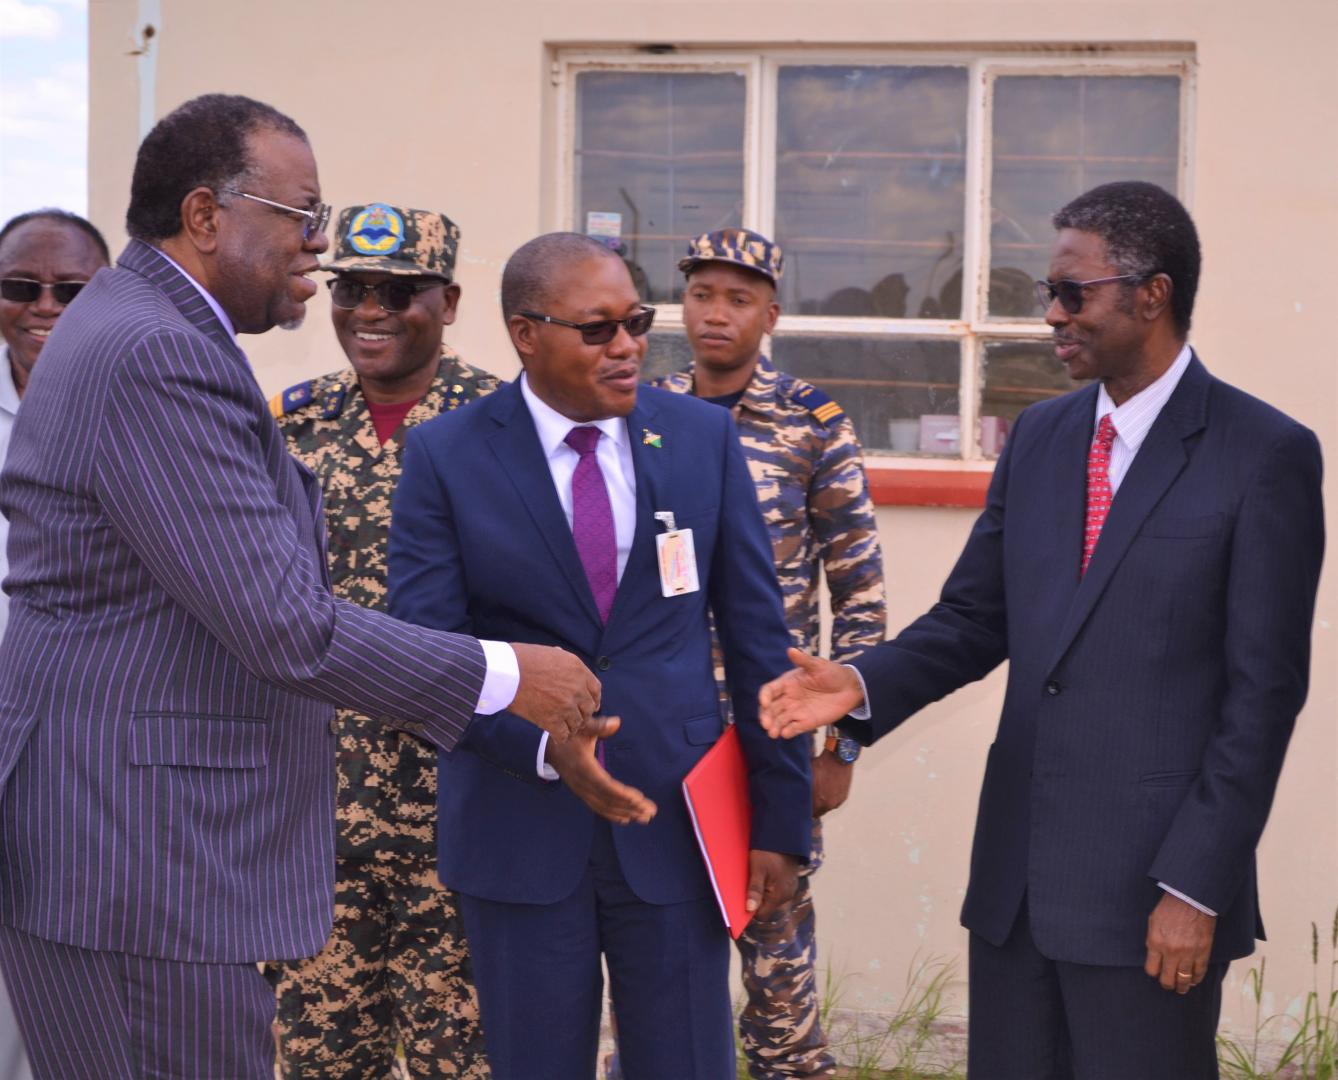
column 928, row 487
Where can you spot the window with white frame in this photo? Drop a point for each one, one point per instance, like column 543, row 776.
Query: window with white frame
column 911, row 194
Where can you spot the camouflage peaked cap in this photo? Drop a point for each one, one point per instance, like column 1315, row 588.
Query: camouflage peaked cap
column 742, row 247
column 395, row 240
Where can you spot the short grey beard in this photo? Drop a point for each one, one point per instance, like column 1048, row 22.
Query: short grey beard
column 293, row 324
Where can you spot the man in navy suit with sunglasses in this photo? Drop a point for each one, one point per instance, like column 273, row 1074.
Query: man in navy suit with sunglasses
column 577, row 508
column 1147, row 564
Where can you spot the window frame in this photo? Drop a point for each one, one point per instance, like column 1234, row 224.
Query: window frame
column 896, row 478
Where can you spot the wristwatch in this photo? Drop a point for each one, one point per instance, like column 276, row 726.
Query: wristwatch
column 843, row 746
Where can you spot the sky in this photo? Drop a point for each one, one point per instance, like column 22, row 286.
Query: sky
column 43, row 105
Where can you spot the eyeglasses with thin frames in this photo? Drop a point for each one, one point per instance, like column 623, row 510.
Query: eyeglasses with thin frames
column 26, row 290
column 316, row 220
column 601, row 331
column 1070, row 293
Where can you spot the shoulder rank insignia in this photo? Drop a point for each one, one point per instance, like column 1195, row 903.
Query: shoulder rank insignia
column 290, row 400
column 334, row 401
column 823, row 408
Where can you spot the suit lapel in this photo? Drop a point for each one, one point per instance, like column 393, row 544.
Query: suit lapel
column 152, row 264
column 516, row 445
column 1160, row 459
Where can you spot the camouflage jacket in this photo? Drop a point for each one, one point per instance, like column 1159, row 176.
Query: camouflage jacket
column 809, row 471
column 386, row 801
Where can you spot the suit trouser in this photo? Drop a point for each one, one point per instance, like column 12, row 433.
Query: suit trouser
column 92, row 1015
column 540, row 984
column 1033, row 1018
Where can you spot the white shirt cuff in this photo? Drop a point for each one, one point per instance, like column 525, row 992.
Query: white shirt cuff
column 1188, row 900
column 545, row 770
column 862, row 712
column 502, row 679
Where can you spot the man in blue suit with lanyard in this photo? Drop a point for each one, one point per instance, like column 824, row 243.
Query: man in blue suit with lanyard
column 576, row 508
column 1147, row 564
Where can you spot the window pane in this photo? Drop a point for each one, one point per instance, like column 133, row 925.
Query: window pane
column 1016, row 374
column 659, row 159
column 870, row 170
column 665, row 352
column 901, row 393
column 1055, row 137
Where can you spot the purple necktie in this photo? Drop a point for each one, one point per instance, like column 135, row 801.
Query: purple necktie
column 592, row 520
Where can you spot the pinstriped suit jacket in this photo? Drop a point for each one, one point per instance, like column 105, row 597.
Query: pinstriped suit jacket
column 174, row 652
column 1149, row 702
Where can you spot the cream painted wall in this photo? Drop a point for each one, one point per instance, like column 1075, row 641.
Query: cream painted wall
column 450, row 106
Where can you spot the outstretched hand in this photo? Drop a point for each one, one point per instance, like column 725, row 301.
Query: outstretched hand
column 557, row 692
column 589, row 781
column 814, row 692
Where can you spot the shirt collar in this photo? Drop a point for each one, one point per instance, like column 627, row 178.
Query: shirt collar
column 552, row 426
column 9, row 392
column 213, row 304
column 1134, row 419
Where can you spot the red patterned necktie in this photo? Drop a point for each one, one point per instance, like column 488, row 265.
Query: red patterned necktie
column 592, row 520
column 1098, row 487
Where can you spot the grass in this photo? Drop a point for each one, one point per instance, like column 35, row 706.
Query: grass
column 903, row 1046
column 1309, row 1042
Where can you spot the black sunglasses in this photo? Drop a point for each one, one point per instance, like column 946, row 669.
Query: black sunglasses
column 601, row 331
column 19, row 290
column 391, row 295
column 1070, row 293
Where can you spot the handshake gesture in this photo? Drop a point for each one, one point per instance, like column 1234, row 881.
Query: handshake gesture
column 558, row 694
column 812, row 693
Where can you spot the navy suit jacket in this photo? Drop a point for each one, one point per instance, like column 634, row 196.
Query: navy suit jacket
column 1149, row 703
column 479, row 543
column 173, row 651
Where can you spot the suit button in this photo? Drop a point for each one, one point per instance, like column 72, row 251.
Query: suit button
column 603, row 663
column 1052, row 688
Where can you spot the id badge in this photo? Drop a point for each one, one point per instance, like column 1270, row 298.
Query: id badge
column 677, row 558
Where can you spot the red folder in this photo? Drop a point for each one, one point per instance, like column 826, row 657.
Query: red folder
column 716, row 791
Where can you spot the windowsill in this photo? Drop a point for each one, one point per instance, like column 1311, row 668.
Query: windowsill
column 909, row 482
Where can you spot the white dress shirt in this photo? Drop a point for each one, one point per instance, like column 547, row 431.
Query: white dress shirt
column 9, row 408
column 501, row 679
column 614, row 454
column 1134, row 419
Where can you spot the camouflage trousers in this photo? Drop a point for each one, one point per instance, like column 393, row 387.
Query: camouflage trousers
column 780, row 1026
column 395, row 970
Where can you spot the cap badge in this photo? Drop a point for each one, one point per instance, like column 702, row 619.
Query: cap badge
column 376, row 230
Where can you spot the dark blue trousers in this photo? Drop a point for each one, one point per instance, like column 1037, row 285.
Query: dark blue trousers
column 88, row 1015
column 538, row 972
column 1032, row 1018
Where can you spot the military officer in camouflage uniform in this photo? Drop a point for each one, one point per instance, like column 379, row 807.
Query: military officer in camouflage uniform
column 396, row 968
column 808, row 468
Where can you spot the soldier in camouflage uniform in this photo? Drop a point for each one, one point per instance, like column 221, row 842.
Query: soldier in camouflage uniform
column 396, row 967
column 808, row 468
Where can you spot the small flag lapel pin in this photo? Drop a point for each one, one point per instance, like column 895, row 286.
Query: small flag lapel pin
column 651, row 438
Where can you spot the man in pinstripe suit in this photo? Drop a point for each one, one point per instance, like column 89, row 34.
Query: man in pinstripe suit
column 174, row 651
column 1147, row 564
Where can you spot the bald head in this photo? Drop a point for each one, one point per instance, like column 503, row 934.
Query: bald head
column 534, row 267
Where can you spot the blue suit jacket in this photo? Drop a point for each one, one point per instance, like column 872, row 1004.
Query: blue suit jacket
column 1149, row 703
column 479, row 543
column 173, row 647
